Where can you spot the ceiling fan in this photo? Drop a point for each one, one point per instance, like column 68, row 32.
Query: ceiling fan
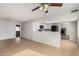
column 44, row 6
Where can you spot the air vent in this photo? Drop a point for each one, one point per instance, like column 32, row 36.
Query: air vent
column 76, row 10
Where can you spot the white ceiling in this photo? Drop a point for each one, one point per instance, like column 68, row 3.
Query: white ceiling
column 22, row 11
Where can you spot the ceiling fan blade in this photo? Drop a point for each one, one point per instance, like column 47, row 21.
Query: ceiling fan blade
column 55, row 4
column 42, row 4
column 36, row 8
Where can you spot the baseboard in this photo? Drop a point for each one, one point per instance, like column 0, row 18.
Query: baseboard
column 8, row 39
column 25, row 38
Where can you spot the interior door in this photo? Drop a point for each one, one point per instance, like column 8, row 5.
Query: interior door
column 17, row 30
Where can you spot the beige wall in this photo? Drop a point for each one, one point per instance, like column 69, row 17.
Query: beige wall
column 27, row 29
column 7, row 29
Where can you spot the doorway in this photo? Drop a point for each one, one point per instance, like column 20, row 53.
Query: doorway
column 63, row 31
column 17, row 31
column 63, row 34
